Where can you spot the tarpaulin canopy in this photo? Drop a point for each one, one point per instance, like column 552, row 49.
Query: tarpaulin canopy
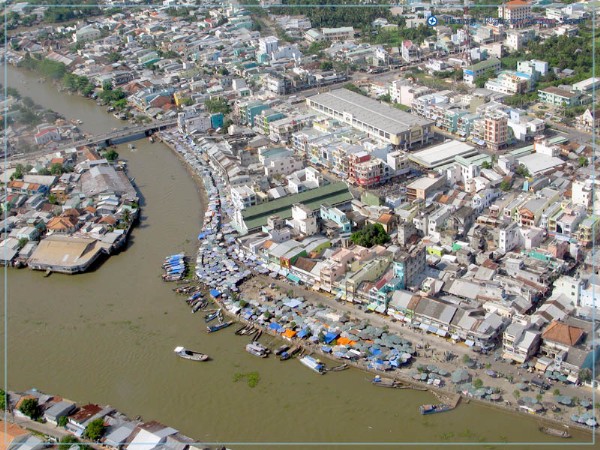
column 289, row 333
column 330, row 337
column 215, row 293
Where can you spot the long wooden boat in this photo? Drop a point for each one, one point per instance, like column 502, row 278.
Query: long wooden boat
column 554, row 432
column 218, row 327
column 191, row 355
column 433, row 409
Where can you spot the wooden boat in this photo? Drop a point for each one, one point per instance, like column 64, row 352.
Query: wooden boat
column 191, row 355
column 282, row 349
column 432, row 409
column 212, row 316
column 554, row 432
column 198, row 306
column 218, row 327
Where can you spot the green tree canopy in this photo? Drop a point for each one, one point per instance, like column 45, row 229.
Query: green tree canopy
column 370, row 235
column 2, row 400
column 31, row 408
column 217, row 105
column 94, row 430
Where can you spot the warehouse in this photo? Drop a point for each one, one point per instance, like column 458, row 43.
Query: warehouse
column 372, row 117
column 439, row 155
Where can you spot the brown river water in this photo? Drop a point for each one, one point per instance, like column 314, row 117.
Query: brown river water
column 108, row 336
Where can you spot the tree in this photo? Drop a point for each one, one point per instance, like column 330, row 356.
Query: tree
column 370, row 235
column 539, row 397
column 217, row 105
column 556, row 392
column 522, row 171
column 585, row 375
column 111, row 155
column 326, row 65
column 481, row 80
column 52, row 199
column 23, row 242
column 27, row 101
column 505, row 186
column 583, row 161
column 478, row 383
column 516, row 394
column 466, row 359
column 56, row 169
column 94, row 430
column 62, row 421
column 486, row 165
column 2, row 400
column 31, row 408
column 18, row 173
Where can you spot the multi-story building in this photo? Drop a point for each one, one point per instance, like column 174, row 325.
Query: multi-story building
column 534, row 68
column 336, row 216
column 378, row 120
column 404, row 92
column 409, row 265
column 515, row 13
column 338, row 34
column 243, row 197
column 423, row 187
column 410, row 52
column 516, row 39
column 303, row 220
column 588, row 232
column 520, row 342
column 471, row 73
column 364, row 170
column 268, row 45
column 559, row 97
column 496, row 131
column 586, row 193
column 589, row 120
column 510, row 82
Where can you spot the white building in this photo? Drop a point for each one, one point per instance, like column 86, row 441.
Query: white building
column 515, row 13
column 405, row 91
column 570, row 287
column 268, row 44
column 243, row 197
column 303, row 220
column 583, row 193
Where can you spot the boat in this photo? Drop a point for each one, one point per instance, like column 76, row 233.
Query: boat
column 131, row 146
column 384, row 382
column 283, row 348
column 218, row 327
column 432, row 409
column 191, row 355
column 284, row 356
column 198, row 306
column 554, row 432
column 212, row 316
column 151, row 139
column 256, row 349
column 313, row 364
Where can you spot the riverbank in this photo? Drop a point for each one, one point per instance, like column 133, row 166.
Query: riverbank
column 449, row 391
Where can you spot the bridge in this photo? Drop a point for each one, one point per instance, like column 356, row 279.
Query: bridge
column 122, row 135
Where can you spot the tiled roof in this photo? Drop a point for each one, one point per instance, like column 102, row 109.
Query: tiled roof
column 562, row 333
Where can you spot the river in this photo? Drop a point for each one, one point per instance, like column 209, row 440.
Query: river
column 108, row 336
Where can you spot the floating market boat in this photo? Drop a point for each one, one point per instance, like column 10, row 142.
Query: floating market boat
column 257, row 349
column 555, row 432
column 219, row 326
column 313, row 364
column 384, row 382
column 191, row 355
column 432, row 409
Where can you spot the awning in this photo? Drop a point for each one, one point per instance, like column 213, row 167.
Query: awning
column 469, row 342
column 432, row 329
column 442, row 333
column 293, row 278
column 380, row 309
column 572, row 379
column 455, row 337
column 424, row 327
column 372, row 306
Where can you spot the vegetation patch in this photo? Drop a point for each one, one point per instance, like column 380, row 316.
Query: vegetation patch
column 252, row 378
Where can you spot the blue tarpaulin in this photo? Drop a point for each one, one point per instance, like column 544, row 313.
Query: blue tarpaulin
column 274, row 326
column 303, row 333
column 215, row 293
column 330, row 337
column 375, row 351
column 201, row 236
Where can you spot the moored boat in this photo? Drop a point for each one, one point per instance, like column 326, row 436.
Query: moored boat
column 282, row 349
column 432, row 409
column 191, row 355
column 218, row 327
column 212, row 316
column 313, row 364
column 554, row 432
column 257, row 349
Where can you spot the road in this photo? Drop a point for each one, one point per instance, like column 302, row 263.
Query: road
column 573, row 134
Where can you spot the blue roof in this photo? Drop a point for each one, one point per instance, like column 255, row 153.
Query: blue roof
column 215, row 293
column 330, row 337
column 303, row 333
column 274, row 326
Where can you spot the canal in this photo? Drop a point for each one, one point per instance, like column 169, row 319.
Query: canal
column 108, row 336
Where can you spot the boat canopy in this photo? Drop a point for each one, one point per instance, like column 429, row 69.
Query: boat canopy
column 303, row 333
column 215, row 293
